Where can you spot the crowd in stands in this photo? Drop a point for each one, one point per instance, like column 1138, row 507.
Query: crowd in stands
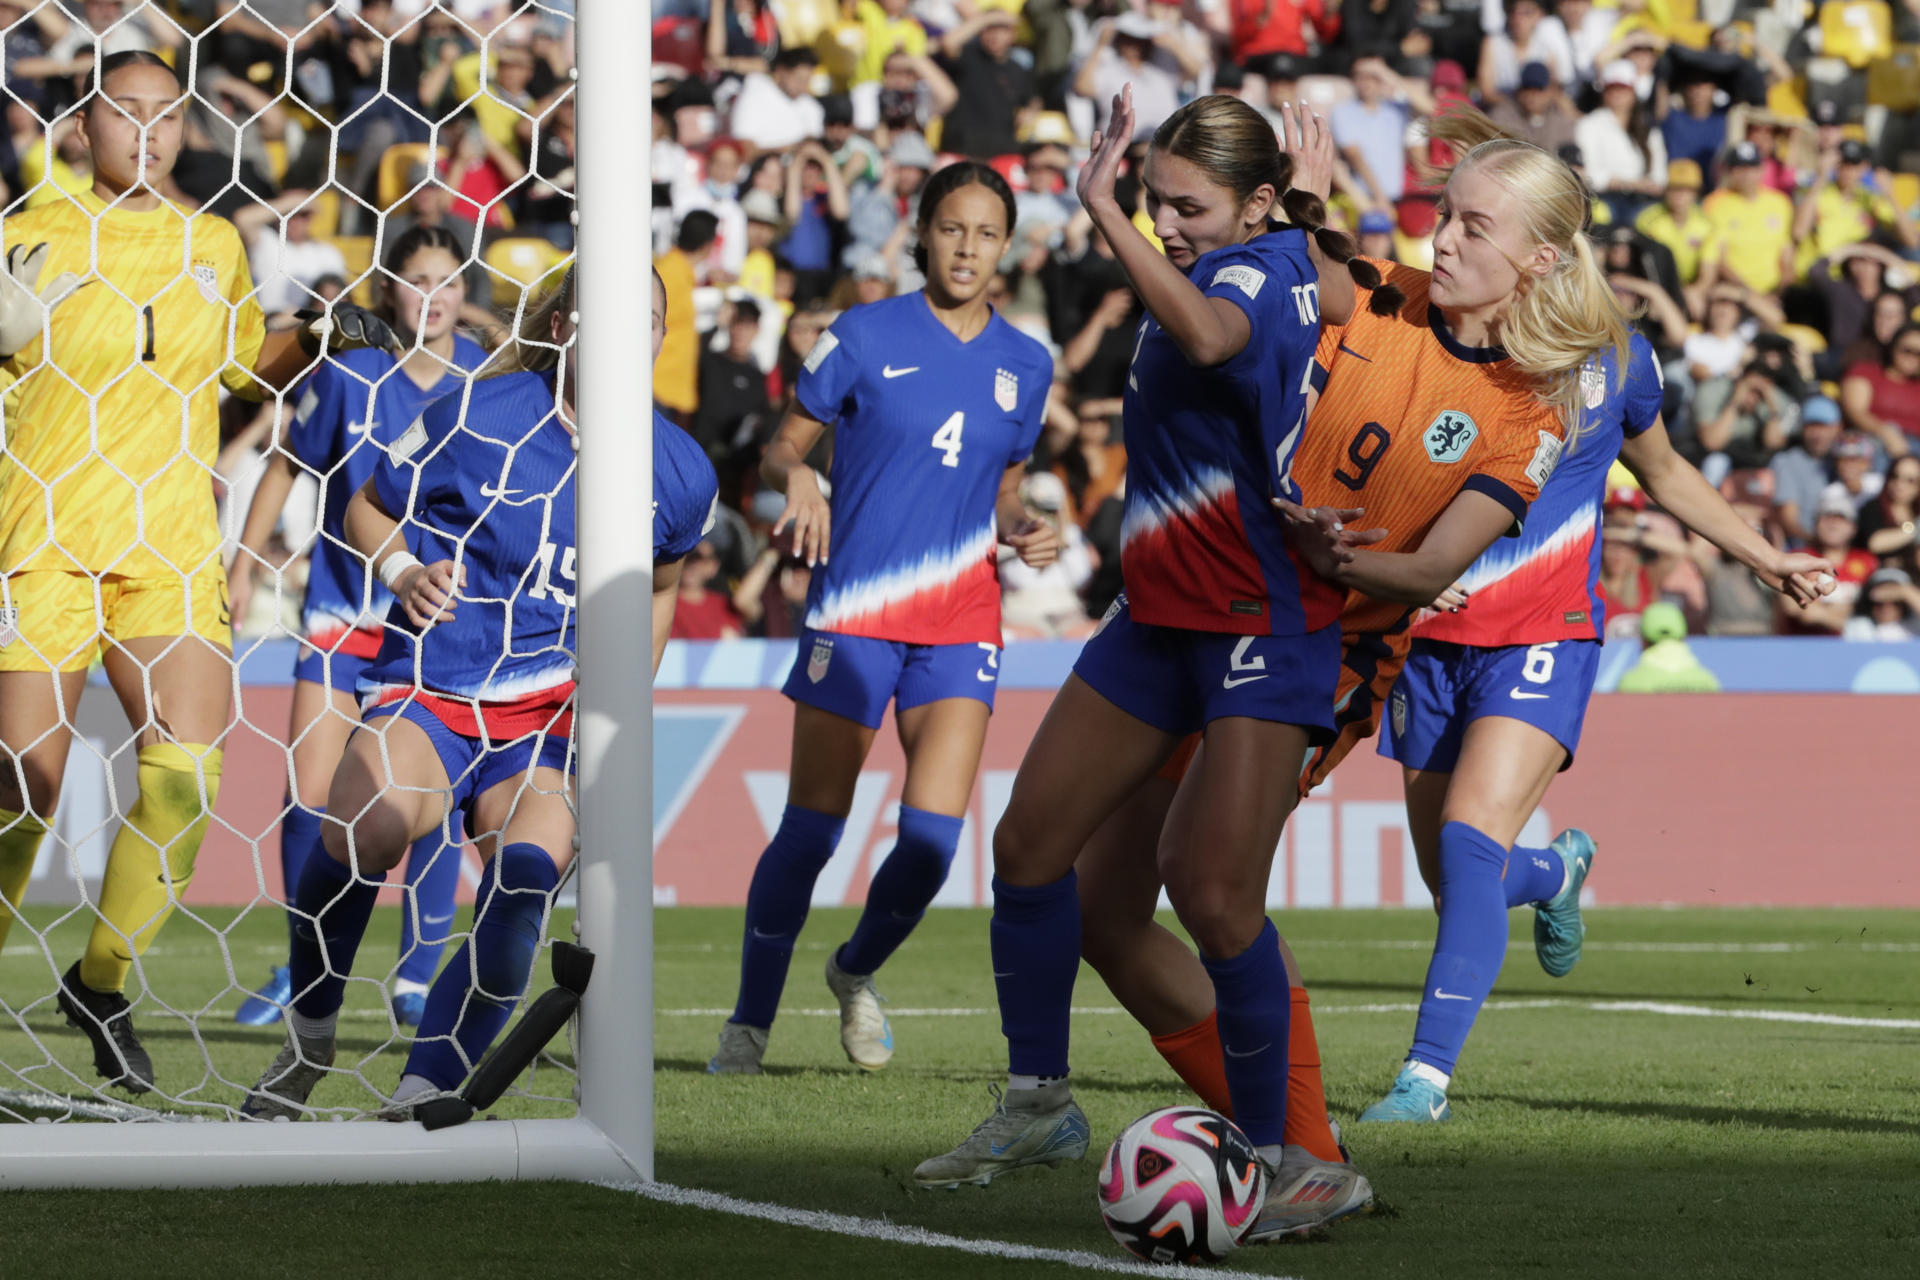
column 1753, row 166
column 1753, row 201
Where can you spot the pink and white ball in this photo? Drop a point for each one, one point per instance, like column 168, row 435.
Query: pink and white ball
column 1181, row 1185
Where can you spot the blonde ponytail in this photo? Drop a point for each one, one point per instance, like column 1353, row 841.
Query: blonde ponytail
column 1559, row 322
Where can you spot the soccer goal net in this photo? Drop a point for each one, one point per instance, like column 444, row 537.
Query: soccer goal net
column 155, row 753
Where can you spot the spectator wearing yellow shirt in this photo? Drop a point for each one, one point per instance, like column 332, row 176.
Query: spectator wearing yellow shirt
column 676, row 371
column 1677, row 221
column 1846, row 209
column 888, row 26
column 508, row 97
column 765, row 226
column 1752, row 228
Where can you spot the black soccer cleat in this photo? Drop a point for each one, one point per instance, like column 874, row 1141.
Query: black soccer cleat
column 107, row 1019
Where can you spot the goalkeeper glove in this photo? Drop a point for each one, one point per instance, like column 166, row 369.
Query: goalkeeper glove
column 345, row 328
column 24, row 305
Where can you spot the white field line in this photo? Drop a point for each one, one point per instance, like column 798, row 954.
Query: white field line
column 1426, row 944
column 841, row 1224
column 1408, row 1006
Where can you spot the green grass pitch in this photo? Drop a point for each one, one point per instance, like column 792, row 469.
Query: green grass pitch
column 1618, row 1131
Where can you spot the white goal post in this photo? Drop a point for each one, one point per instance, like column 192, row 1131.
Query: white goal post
column 611, row 1138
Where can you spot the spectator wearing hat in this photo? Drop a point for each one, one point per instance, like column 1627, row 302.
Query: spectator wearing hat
column 732, row 383
column 1804, row 470
column 1677, row 221
column 1375, row 230
column 1281, row 72
column 913, row 93
column 1538, row 111
column 1752, row 227
column 1888, row 522
column 1046, row 602
column 1720, row 349
column 1626, row 156
column 765, row 225
column 1152, row 57
column 1371, row 128
column 1856, row 474
column 1776, row 137
column 890, row 204
column 1666, row 664
column 1847, row 208
column 776, row 111
column 1884, row 401
column 1833, row 528
column 1527, row 35
column 996, row 92
column 1371, row 26
column 1888, row 609
column 676, row 370
column 1697, row 130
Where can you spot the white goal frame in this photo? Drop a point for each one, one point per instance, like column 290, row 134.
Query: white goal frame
column 611, row 1139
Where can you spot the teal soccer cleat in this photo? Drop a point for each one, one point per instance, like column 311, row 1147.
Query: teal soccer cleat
column 1558, row 929
column 1412, row 1100
column 267, row 1005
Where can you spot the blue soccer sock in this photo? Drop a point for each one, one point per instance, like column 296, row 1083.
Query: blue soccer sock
column 777, row 903
column 433, row 875
column 1255, row 1006
column 1035, row 936
column 1470, row 946
column 1533, row 875
column 299, row 841
column 331, row 910
column 472, row 999
column 902, row 888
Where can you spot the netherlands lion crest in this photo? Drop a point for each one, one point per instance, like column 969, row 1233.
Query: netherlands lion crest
column 817, row 661
column 1450, row 436
column 1006, row 389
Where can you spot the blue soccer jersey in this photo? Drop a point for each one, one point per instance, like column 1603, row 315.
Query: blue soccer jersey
column 1543, row 584
column 353, row 406
column 686, row 492
column 1202, row 548
column 485, row 479
column 925, row 426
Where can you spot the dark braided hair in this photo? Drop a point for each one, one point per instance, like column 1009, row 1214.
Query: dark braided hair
column 1235, row 146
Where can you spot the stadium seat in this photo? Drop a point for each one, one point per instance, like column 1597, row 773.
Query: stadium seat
column 395, row 164
column 325, row 204
column 358, row 251
column 1803, row 336
column 1857, row 31
column 1906, row 192
column 525, row 259
column 1893, row 82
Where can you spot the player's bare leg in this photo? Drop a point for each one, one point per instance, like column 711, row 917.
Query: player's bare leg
column 1461, row 825
column 36, row 712
column 389, row 790
column 1056, row 806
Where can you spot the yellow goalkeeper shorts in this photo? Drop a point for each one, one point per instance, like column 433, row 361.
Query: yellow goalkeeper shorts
column 54, row 621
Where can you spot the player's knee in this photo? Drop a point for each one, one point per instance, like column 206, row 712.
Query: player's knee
column 1016, row 855
column 32, row 786
column 371, row 844
column 1218, row 915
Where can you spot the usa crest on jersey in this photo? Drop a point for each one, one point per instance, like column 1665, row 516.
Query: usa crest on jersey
column 9, row 626
column 817, row 661
column 1006, row 389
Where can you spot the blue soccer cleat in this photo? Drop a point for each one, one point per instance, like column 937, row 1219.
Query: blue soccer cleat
column 1412, row 1100
column 1558, row 930
column 409, row 1007
column 267, row 1005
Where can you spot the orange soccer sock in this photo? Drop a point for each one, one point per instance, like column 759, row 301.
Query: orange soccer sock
column 1306, row 1096
column 1195, row 1056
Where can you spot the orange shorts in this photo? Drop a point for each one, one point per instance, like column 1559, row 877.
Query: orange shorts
column 1370, row 661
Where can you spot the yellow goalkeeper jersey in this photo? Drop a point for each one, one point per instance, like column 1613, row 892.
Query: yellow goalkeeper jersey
column 110, row 436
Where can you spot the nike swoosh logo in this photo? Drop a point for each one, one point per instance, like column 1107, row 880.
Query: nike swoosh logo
column 1249, row 1053
column 498, row 491
column 1355, row 354
column 1438, row 994
column 1516, row 693
column 1230, row 683
column 890, row 372
column 436, row 919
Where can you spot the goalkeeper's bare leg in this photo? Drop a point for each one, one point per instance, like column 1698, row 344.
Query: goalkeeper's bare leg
column 389, row 790
column 524, row 828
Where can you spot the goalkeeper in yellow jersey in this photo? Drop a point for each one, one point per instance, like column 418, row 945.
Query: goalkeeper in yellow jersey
column 109, row 542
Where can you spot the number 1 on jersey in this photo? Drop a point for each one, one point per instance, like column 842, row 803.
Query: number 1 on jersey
column 147, row 352
column 947, row 439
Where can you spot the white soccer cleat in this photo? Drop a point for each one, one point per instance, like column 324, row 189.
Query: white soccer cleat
column 284, row 1088
column 1028, row 1126
column 865, row 1033
column 1305, row 1193
column 741, row 1048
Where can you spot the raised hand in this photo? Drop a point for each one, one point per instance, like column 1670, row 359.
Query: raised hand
column 1305, row 136
column 1102, row 169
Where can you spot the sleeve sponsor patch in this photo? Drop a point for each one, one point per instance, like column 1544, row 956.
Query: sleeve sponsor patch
column 410, row 441
column 308, row 403
column 822, row 348
column 1545, row 458
column 1247, row 279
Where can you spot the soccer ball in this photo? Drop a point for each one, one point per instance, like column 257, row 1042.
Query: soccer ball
column 1181, row 1184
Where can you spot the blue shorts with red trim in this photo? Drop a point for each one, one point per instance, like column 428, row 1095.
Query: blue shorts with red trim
column 474, row 766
